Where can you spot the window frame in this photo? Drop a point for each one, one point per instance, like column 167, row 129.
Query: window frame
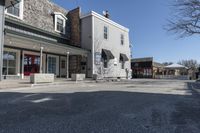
column 21, row 11
column 105, row 63
column 60, row 16
column 122, row 64
column 122, row 40
column 105, row 33
column 7, row 65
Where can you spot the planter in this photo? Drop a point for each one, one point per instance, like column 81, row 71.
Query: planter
column 78, row 77
column 41, row 78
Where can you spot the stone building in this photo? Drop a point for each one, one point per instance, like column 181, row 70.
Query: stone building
column 41, row 36
column 109, row 44
column 41, row 33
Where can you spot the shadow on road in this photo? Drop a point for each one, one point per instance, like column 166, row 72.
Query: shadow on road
column 99, row 112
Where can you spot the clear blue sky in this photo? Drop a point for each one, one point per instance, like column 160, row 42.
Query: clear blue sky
column 145, row 19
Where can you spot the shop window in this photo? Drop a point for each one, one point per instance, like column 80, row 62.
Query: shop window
column 9, row 63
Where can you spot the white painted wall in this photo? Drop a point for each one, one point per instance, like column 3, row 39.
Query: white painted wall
column 96, row 42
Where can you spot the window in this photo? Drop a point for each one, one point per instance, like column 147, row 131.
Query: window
column 105, row 63
column 122, row 64
column 105, row 32
column 122, row 39
column 60, row 22
column 9, row 63
column 16, row 10
column 52, row 65
column 60, row 25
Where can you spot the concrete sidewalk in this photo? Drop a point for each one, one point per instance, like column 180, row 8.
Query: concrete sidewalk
column 14, row 83
column 195, row 86
column 20, row 83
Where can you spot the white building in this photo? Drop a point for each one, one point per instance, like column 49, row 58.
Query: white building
column 109, row 44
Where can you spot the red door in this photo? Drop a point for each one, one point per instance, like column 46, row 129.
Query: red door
column 31, row 64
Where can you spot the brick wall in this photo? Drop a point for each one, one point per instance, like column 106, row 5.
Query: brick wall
column 74, row 17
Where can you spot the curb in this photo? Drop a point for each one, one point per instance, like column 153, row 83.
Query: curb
column 194, row 89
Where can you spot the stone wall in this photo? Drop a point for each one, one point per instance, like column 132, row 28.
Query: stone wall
column 39, row 13
column 75, row 33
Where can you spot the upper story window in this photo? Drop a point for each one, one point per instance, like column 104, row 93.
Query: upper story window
column 60, row 25
column 16, row 10
column 60, row 22
column 122, row 39
column 105, row 32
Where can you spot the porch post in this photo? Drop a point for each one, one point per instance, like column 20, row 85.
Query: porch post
column 2, row 22
column 41, row 63
column 67, row 66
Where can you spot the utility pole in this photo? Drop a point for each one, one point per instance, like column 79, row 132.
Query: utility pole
column 2, row 18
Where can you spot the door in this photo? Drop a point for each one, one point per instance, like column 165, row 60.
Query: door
column 52, row 64
column 31, row 64
column 63, row 66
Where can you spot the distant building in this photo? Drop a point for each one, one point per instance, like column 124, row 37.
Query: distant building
column 145, row 68
column 109, row 44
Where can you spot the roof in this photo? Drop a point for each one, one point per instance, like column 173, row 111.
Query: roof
column 146, row 59
column 92, row 13
column 176, row 66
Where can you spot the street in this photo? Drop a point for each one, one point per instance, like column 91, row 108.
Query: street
column 136, row 106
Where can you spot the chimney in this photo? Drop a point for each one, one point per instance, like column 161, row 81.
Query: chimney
column 106, row 14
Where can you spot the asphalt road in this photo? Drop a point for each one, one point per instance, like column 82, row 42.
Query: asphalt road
column 138, row 106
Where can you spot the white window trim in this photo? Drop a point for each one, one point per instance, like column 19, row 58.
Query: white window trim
column 21, row 11
column 60, row 16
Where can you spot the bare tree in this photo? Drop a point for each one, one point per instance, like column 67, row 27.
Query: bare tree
column 185, row 20
column 189, row 63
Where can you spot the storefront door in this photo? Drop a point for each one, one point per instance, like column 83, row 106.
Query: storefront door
column 31, row 64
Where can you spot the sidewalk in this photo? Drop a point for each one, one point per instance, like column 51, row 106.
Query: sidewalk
column 195, row 86
column 20, row 83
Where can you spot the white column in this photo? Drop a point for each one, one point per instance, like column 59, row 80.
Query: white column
column 67, row 66
column 22, row 65
column 41, row 63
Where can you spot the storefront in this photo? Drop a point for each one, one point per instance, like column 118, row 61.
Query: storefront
column 22, row 56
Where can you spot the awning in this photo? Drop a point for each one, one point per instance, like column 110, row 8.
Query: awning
column 123, row 57
column 107, row 54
